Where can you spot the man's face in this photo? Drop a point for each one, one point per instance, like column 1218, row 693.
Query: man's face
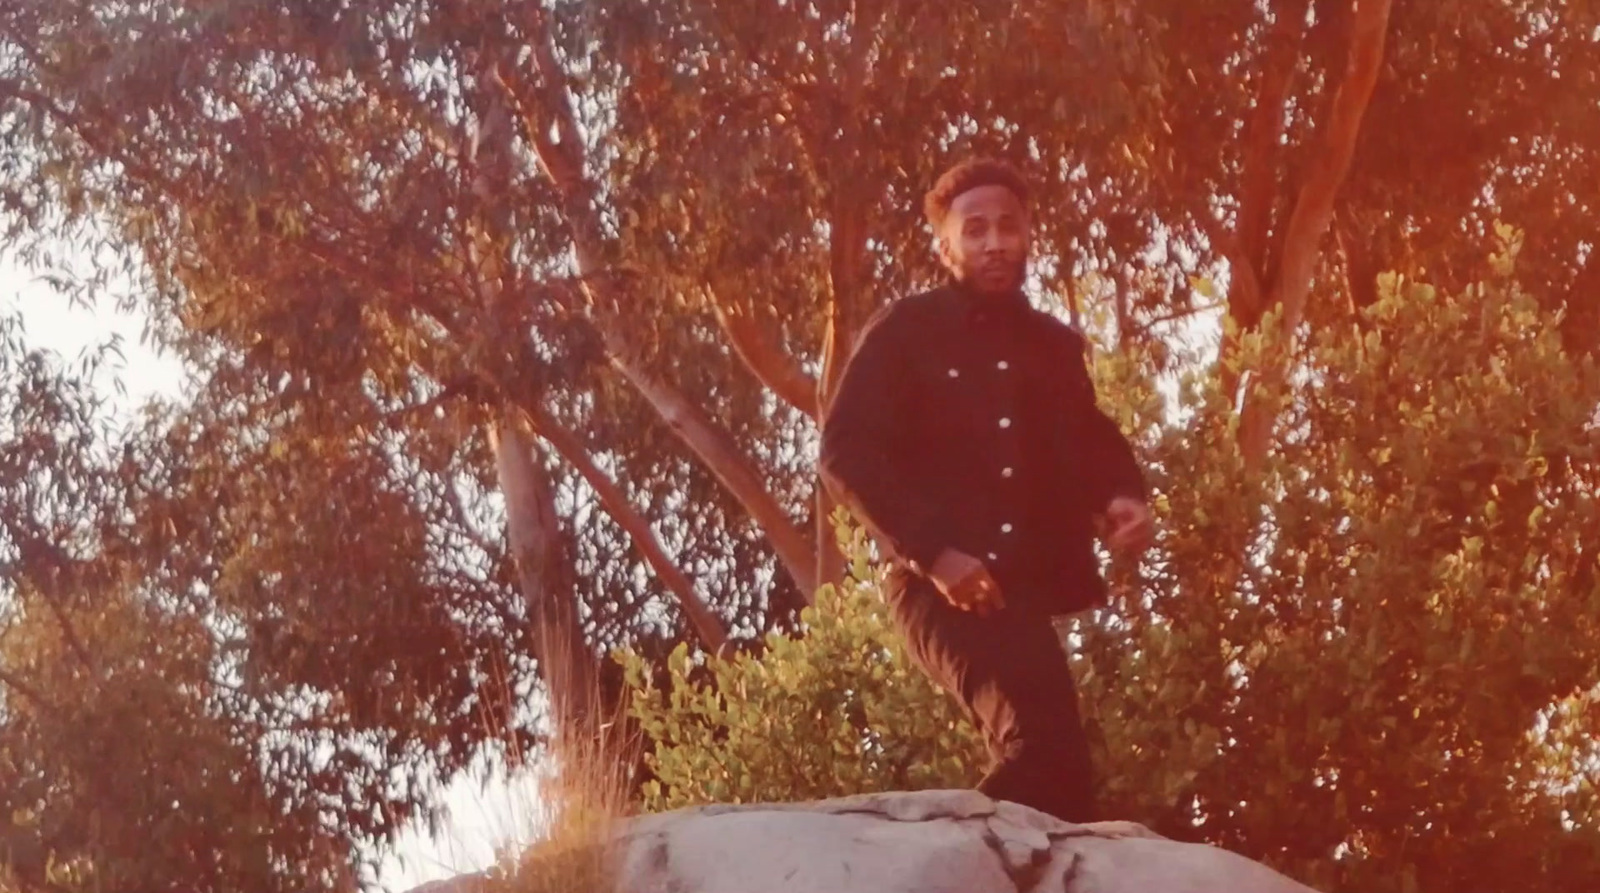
column 984, row 240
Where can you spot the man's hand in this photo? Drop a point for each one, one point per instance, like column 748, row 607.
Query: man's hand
column 1132, row 527
column 965, row 583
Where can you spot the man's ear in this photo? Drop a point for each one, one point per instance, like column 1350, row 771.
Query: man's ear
column 942, row 243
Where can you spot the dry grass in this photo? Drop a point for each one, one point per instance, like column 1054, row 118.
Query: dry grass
column 584, row 798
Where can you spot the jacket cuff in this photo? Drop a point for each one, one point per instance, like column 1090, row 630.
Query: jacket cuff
column 919, row 553
column 1131, row 487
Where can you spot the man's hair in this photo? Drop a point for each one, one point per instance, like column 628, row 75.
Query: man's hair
column 967, row 176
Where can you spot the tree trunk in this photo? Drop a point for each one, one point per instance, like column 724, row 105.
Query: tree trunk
column 1248, row 248
column 1272, row 257
column 545, row 573
column 560, row 158
column 846, row 242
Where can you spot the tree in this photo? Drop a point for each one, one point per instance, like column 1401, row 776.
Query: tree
column 128, row 759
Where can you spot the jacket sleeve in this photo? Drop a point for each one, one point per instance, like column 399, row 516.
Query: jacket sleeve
column 1091, row 436
column 862, row 441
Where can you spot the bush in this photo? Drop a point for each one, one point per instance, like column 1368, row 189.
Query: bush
column 839, row 711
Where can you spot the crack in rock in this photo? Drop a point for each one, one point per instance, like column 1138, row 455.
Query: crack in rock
column 1024, row 850
column 1070, row 876
column 1118, row 830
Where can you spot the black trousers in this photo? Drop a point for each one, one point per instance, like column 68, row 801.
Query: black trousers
column 1010, row 673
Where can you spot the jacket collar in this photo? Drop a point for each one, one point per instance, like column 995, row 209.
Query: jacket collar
column 982, row 308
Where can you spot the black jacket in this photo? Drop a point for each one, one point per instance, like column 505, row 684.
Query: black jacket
column 971, row 422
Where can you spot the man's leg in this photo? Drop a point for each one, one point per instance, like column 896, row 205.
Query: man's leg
column 1011, row 674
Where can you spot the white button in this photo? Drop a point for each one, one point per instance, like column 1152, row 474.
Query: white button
column 1005, row 528
column 993, row 557
column 1003, row 365
column 1005, row 423
column 955, row 373
column 1008, row 471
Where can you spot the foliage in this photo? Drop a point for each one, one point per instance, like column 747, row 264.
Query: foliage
column 1419, row 598
column 1400, row 694
column 837, row 711
column 123, row 762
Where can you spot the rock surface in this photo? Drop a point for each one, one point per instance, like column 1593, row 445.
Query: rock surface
column 922, row 842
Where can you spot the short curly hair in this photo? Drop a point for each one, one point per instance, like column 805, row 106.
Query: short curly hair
column 967, row 176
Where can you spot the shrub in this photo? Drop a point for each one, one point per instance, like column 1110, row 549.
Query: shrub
column 838, row 711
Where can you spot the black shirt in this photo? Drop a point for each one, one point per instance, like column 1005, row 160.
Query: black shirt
column 970, row 422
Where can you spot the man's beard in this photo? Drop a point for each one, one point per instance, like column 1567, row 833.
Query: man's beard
column 997, row 276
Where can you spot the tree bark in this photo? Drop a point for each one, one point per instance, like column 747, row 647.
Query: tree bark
column 710, row 629
column 714, row 447
column 569, row 669
column 846, row 244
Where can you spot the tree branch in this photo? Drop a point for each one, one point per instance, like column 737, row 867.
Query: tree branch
column 707, row 625
column 1313, row 210
column 33, row 695
column 711, row 630
column 43, row 564
column 1147, row 325
column 561, row 162
column 1263, row 138
column 722, row 456
column 835, row 152
column 453, row 497
column 761, row 354
column 1244, row 286
column 1246, row 247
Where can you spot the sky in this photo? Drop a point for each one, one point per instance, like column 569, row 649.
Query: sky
column 485, row 810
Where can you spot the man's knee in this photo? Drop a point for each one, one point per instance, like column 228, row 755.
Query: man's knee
column 1051, row 776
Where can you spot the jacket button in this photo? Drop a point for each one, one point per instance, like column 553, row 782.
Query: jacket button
column 1005, row 423
column 1008, row 471
column 993, row 557
column 955, row 373
column 1005, row 528
column 1002, row 365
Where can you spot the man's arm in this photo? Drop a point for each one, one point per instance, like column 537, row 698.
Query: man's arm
column 859, row 460
column 1113, row 469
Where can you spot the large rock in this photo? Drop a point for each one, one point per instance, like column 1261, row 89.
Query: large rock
column 923, row 842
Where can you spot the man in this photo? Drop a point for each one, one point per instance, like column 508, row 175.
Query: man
column 966, row 437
